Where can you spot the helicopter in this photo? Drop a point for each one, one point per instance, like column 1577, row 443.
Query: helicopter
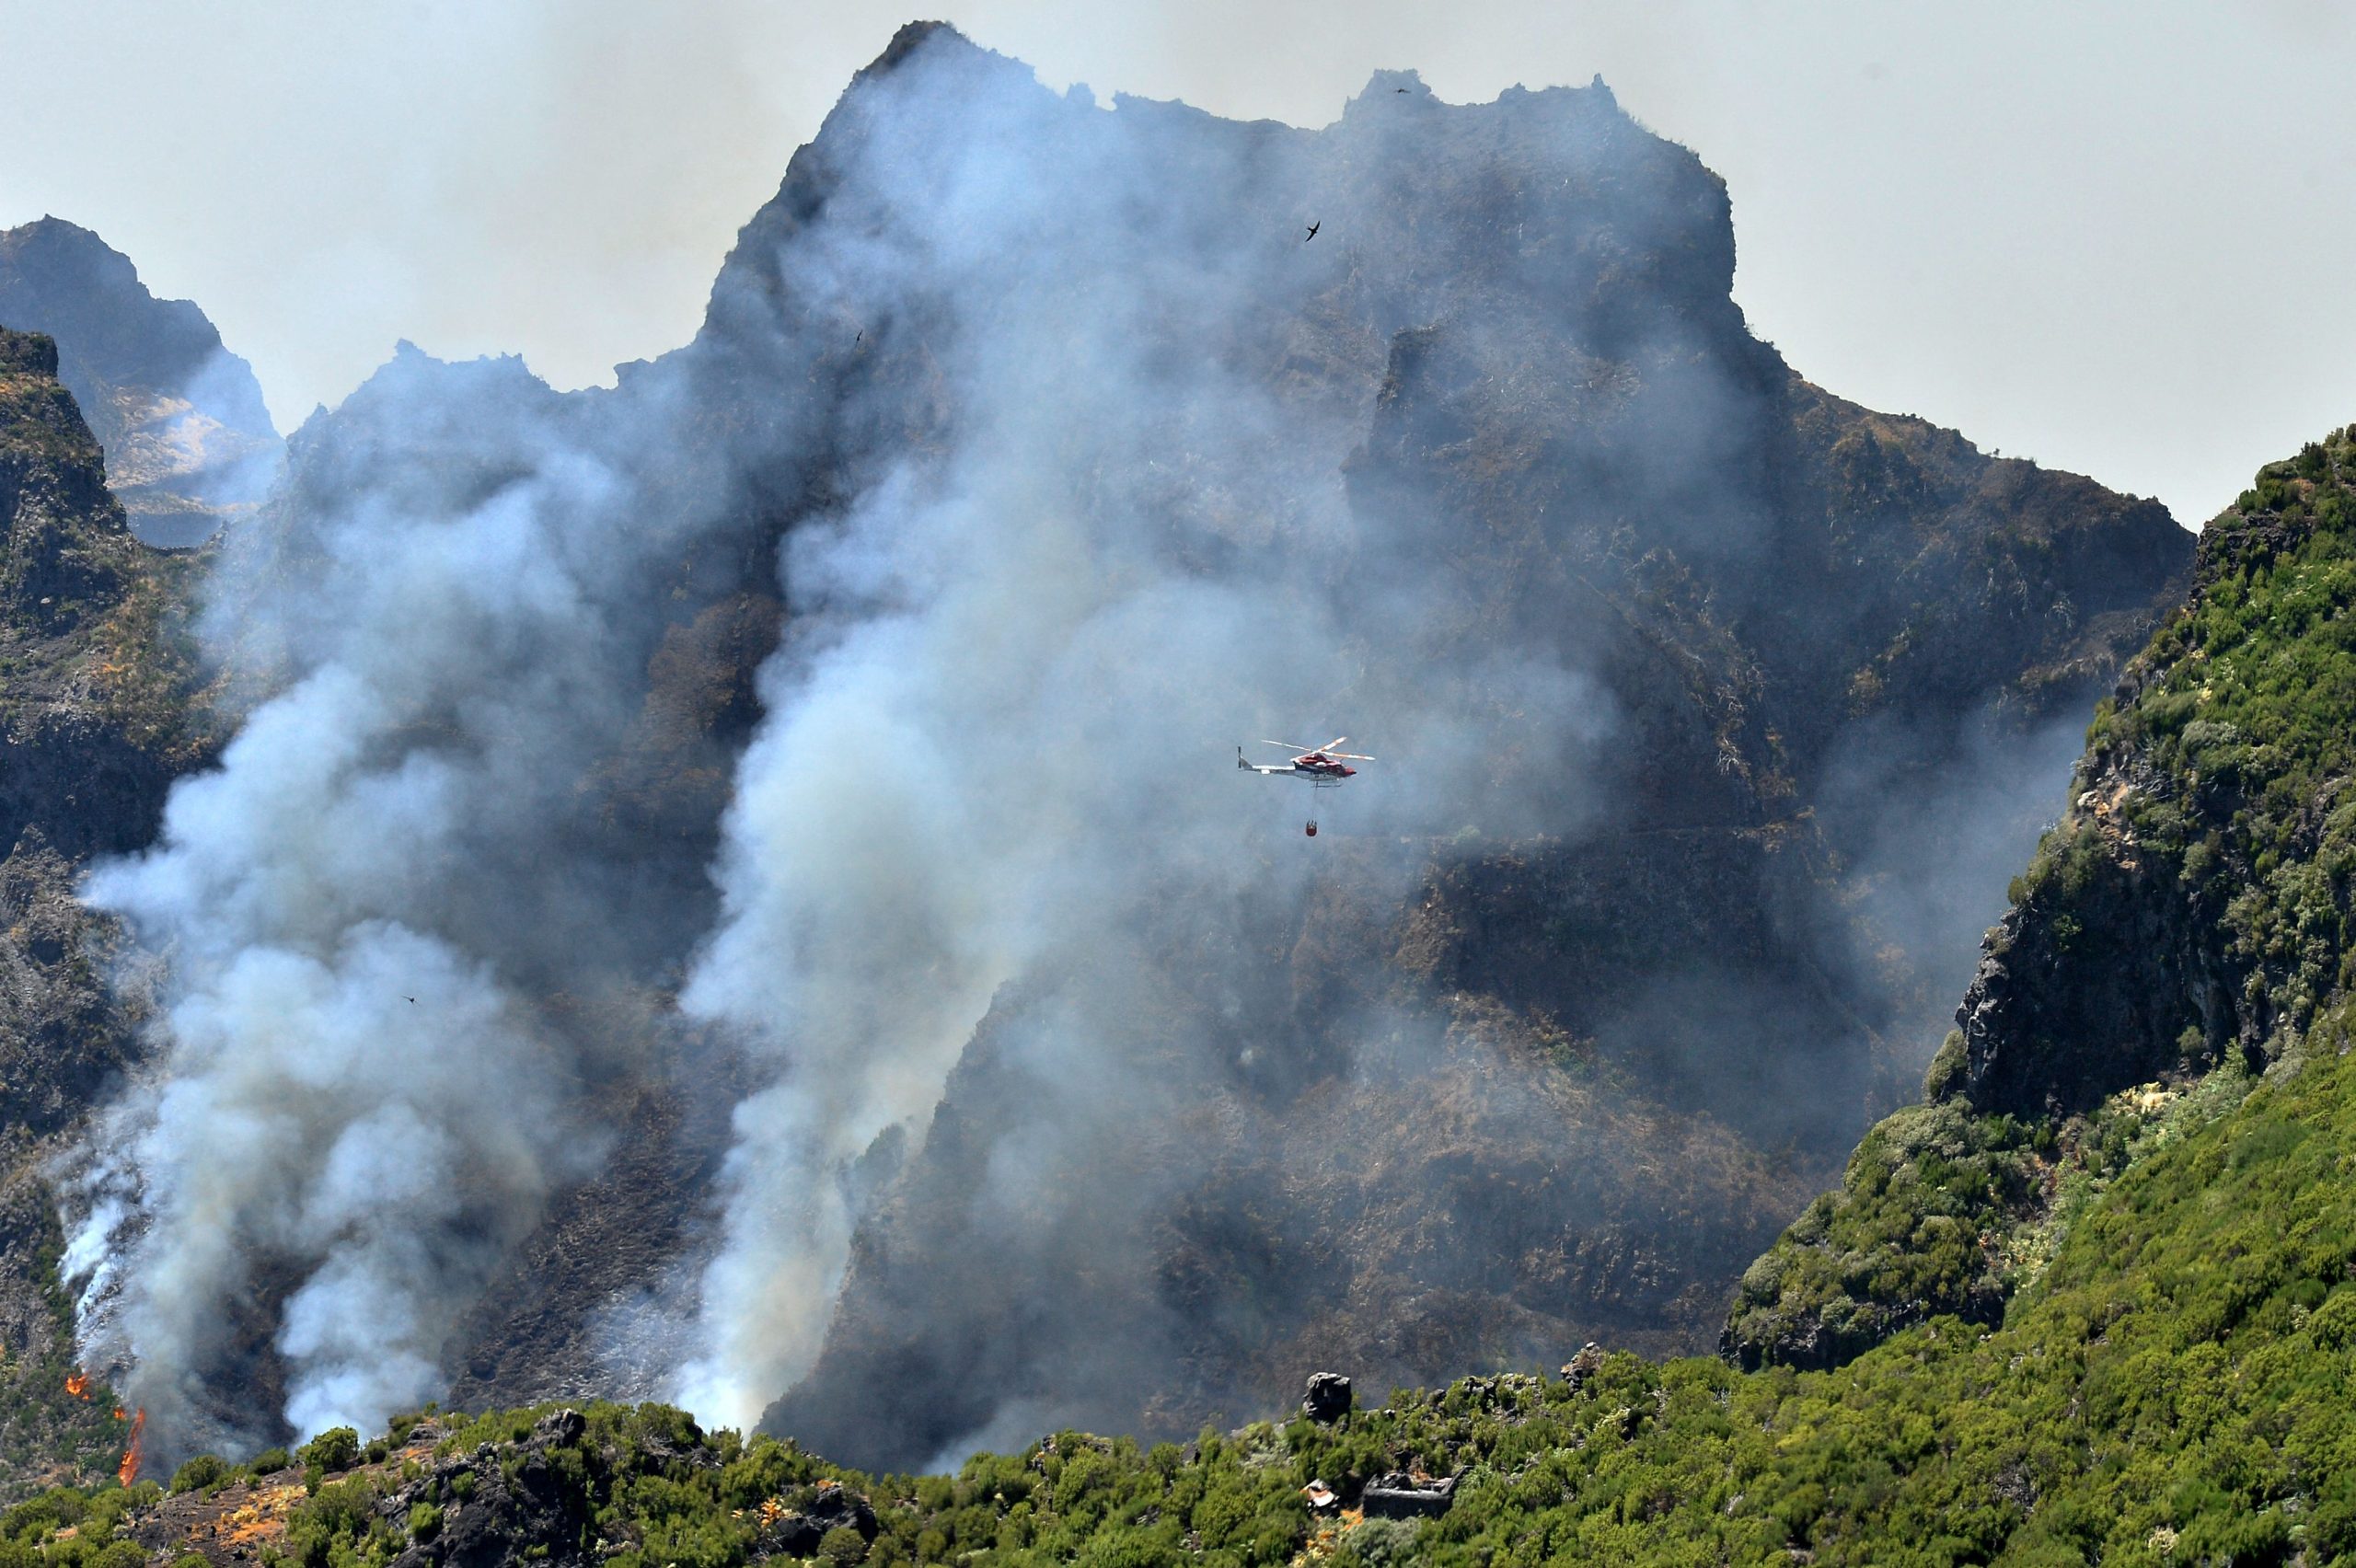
column 1325, row 767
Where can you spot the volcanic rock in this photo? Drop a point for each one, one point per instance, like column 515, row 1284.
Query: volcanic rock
column 1328, row 1399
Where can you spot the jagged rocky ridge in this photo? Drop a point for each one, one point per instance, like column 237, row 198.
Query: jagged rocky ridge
column 189, row 444
column 1546, row 1059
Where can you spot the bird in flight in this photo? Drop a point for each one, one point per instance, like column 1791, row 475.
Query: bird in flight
column 411, row 1000
column 1313, row 231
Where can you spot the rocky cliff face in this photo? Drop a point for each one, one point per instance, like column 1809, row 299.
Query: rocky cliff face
column 2177, row 933
column 97, row 716
column 188, row 441
column 1075, row 1091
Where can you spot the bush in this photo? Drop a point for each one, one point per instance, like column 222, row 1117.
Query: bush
column 270, row 1461
column 202, row 1472
column 424, row 1522
column 337, row 1448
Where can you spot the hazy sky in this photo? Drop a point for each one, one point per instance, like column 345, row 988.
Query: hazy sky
column 2115, row 237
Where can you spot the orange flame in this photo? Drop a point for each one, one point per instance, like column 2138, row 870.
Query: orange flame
column 118, row 1413
column 78, row 1385
column 128, row 1471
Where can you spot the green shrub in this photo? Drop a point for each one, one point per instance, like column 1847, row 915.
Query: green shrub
column 337, row 1448
column 204, row 1470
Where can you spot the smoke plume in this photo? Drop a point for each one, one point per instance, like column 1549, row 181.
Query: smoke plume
column 355, row 1107
column 999, row 728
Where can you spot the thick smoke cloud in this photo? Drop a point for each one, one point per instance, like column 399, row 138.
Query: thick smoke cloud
column 353, row 1108
column 998, row 726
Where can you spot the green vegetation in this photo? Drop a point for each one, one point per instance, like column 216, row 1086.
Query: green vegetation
column 204, row 1472
column 2253, row 712
column 65, row 1527
column 337, row 1448
column 2171, row 1389
column 2178, row 929
column 1899, row 1244
column 47, row 1435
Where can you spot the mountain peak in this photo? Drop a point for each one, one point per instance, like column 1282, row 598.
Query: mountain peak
column 188, row 438
column 1393, row 82
column 913, row 36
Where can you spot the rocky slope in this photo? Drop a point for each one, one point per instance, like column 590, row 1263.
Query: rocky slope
column 1724, row 704
column 97, row 716
column 2170, row 946
column 188, row 442
column 2171, row 1390
column 2159, row 1376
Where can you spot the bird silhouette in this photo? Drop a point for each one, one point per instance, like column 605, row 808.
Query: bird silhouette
column 1313, row 231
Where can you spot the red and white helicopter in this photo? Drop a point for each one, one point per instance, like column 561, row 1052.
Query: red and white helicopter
column 1325, row 767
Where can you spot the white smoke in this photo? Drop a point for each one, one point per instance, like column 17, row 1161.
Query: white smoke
column 1100, row 534
column 1000, row 722
column 348, row 1113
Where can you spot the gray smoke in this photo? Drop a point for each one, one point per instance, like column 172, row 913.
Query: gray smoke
column 1002, row 716
column 352, row 1110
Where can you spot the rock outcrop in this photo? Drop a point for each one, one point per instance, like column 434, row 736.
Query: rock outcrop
column 1835, row 644
column 2178, row 929
column 189, row 445
column 1328, row 1396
